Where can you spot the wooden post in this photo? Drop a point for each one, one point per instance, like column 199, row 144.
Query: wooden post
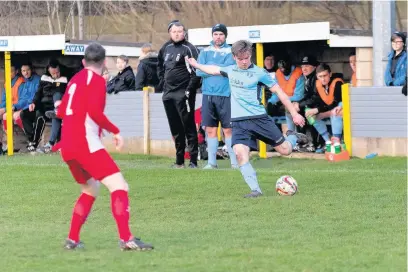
column 9, row 114
column 345, row 94
column 260, row 63
column 146, row 121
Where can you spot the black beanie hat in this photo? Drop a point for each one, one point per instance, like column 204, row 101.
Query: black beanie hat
column 220, row 27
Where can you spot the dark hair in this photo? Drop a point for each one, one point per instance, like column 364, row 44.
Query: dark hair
column 13, row 64
column 400, row 35
column 27, row 63
column 94, row 54
column 124, row 58
column 171, row 24
column 54, row 63
column 323, row 67
column 352, row 54
column 177, row 23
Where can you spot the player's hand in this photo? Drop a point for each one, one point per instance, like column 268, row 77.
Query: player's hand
column 118, row 141
column 311, row 112
column 337, row 111
column 31, row 107
column 57, row 103
column 191, row 61
column 298, row 120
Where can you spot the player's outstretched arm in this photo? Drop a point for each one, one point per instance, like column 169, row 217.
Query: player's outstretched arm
column 209, row 69
column 297, row 118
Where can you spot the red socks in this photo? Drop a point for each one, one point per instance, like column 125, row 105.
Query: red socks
column 19, row 122
column 81, row 211
column 120, row 211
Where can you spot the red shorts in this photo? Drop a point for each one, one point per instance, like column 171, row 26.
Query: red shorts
column 97, row 165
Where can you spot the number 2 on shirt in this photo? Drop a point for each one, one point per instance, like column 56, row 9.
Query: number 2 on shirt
column 71, row 93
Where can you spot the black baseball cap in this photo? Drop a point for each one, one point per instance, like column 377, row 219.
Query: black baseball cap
column 309, row 60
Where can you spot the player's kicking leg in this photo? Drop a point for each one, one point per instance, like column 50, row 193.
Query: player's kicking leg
column 118, row 188
column 83, row 206
column 292, row 138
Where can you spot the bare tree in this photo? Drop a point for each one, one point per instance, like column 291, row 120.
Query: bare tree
column 80, row 7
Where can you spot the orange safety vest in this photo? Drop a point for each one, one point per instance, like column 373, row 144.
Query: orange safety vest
column 14, row 90
column 354, row 80
column 328, row 98
column 288, row 86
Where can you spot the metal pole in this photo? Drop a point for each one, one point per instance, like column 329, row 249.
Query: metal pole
column 260, row 63
column 9, row 113
column 383, row 26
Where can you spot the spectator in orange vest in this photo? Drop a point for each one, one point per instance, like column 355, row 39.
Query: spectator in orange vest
column 290, row 79
column 328, row 104
column 18, row 99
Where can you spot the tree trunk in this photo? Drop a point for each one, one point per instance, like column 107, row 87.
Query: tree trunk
column 80, row 20
column 50, row 26
column 58, row 17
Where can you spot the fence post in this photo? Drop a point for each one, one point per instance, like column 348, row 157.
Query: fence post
column 146, row 121
column 7, row 69
column 260, row 63
column 345, row 94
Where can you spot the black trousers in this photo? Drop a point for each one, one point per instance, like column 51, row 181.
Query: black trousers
column 182, row 124
column 34, row 124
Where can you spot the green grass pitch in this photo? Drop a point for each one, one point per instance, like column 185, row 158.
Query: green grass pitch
column 348, row 216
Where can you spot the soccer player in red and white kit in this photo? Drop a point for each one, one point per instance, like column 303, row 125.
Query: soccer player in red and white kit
column 82, row 112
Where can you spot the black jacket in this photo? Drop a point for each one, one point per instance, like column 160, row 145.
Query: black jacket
column 123, row 81
column 310, row 91
column 147, row 72
column 43, row 98
column 173, row 71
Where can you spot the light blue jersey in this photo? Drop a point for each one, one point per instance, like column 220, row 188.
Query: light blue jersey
column 215, row 85
column 245, row 94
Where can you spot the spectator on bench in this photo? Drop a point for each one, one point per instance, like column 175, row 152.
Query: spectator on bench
column 327, row 104
column 47, row 99
column 18, row 100
column 308, row 66
column 147, row 69
column 269, row 65
column 292, row 82
column 125, row 79
column 353, row 61
column 396, row 70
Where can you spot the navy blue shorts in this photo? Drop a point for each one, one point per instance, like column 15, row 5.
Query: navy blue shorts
column 216, row 109
column 247, row 131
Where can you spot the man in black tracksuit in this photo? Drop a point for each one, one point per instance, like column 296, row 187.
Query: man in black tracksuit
column 179, row 84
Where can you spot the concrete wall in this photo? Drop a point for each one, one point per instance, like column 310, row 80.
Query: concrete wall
column 378, row 121
column 126, row 111
column 364, row 70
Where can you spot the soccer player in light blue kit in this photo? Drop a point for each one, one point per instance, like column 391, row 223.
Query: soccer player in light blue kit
column 216, row 95
column 250, row 121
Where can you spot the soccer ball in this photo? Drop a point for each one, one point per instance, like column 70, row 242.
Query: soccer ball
column 286, row 186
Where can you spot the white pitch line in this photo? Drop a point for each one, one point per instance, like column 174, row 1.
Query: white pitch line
column 146, row 165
